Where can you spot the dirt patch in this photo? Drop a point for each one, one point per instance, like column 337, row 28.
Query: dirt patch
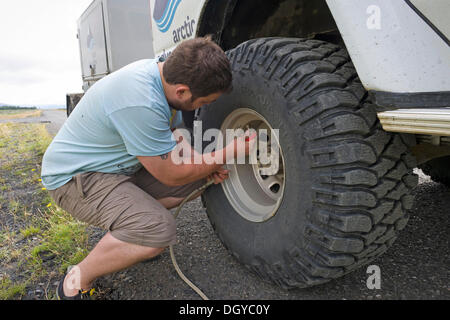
column 18, row 114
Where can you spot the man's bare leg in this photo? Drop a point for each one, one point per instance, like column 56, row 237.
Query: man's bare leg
column 111, row 255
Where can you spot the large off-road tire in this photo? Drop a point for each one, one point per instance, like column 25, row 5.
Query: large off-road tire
column 438, row 169
column 346, row 181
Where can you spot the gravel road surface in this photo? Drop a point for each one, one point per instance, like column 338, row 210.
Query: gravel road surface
column 415, row 267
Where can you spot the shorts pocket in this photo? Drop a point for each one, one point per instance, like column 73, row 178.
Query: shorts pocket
column 79, row 185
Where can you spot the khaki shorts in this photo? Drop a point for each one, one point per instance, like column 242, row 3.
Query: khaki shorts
column 126, row 206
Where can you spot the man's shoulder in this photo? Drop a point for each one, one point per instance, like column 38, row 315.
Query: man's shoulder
column 134, row 85
column 139, row 65
column 142, row 72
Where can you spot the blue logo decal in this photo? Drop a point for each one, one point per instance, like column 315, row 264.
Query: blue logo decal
column 164, row 13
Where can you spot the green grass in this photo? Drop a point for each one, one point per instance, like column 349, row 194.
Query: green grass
column 30, row 231
column 15, row 207
column 62, row 236
column 9, row 290
column 45, row 229
column 5, row 187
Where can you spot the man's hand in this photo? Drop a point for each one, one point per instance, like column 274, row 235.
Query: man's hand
column 219, row 176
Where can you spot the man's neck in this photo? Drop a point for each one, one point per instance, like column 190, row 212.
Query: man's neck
column 166, row 87
column 163, row 81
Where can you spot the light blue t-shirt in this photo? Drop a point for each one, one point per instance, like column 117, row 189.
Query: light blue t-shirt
column 122, row 116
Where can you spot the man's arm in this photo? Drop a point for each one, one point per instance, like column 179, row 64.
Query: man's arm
column 173, row 174
column 165, row 170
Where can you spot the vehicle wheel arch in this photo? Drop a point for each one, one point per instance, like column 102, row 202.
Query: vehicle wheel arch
column 278, row 18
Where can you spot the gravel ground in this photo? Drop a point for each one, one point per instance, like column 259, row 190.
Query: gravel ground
column 415, row 267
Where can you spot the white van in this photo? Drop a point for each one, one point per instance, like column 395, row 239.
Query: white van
column 360, row 93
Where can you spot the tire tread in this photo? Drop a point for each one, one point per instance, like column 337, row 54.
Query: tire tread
column 362, row 174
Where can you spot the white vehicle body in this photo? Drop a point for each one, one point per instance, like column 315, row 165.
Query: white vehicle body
column 400, row 49
column 173, row 22
column 392, row 48
column 112, row 36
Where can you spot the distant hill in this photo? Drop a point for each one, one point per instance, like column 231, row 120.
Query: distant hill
column 47, row 106
column 9, row 107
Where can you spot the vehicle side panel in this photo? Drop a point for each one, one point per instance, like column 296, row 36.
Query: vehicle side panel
column 392, row 47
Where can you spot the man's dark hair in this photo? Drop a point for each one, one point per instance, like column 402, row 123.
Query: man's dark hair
column 201, row 65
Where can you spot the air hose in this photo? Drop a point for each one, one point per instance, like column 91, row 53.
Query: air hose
column 172, row 254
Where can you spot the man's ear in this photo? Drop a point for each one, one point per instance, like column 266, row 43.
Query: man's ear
column 183, row 92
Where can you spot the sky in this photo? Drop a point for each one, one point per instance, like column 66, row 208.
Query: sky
column 39, row 54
